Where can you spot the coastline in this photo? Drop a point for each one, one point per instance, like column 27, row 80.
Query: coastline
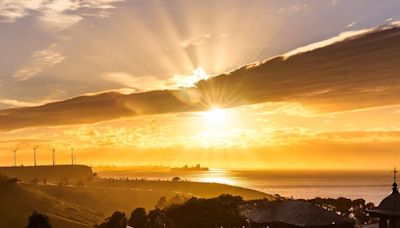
column 300, row 184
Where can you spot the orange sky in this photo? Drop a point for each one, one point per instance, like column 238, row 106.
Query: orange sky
column 265, row 136
column 227, row 83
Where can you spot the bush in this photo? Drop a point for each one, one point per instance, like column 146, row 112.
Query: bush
column 117, row 220
column 34, row 181
column 38, row 220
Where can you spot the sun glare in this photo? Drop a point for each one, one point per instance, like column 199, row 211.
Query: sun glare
column 215, row 117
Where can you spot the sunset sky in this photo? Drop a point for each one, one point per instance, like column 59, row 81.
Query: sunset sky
column 257, row 84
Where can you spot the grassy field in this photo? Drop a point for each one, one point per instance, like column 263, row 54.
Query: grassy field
column 71, row 206
column 199, row 189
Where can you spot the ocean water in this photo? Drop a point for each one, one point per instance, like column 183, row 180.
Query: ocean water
column 371, row 186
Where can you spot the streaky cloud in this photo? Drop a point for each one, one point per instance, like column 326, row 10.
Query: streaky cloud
column 39, row 61
column 357, row 72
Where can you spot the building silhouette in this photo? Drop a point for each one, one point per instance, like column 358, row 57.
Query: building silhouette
column 388, row 210
column 293, row 214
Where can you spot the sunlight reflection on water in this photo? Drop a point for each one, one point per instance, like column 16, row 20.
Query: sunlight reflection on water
column 215, row 176
column 371, row 186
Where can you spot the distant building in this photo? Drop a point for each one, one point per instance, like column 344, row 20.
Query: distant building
column 388, row 210
column 293, row 214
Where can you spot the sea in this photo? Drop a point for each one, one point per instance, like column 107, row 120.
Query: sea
column 371, row 186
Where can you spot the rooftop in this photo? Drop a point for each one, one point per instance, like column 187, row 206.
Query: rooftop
column 297, row 213
column 389, row 206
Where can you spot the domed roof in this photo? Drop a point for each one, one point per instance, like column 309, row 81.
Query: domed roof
column 390, row 205
column 392, row 202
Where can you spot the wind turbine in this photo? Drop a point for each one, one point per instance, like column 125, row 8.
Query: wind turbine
column 15, row 156
column 72, row 156
column 34, row 155
column 54, row 157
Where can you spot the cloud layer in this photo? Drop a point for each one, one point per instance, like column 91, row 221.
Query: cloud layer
column 40, row 61
column 357, row 72
column 57, row 14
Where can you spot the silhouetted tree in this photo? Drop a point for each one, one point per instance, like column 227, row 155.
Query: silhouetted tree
column 176, row 179
column 93, row 177
column 117, row 220
column 157, row 219
column 355, row 209
column 177, row 199
column 222, row 211
column 38, row 220
column 162, row 203
column 138, row 218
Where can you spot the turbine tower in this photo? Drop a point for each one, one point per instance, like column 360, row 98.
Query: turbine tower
column 34, row 155
column 15, row 156
column 72, row 156
column 54, row 157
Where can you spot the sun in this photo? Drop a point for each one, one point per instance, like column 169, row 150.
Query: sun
column 216, row 117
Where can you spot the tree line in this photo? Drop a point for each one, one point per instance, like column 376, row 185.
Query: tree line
column 219, row 212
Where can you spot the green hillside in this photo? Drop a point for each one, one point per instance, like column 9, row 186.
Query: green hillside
column 71, row 206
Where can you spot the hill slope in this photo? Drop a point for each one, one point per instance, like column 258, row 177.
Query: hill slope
column 70, row 207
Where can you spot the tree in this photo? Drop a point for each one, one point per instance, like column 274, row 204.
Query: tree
column 138, row 218
column 162, row 203
column 222, row 211
column 117, row 220
column 355, row 209
column 93, row 176
column 38, row 220
column 177, row 199
column 157, row 219
column 176, row 179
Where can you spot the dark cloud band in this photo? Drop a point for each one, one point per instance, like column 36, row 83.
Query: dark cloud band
column 359, row 72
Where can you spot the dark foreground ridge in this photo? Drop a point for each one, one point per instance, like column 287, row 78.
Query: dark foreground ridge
column 227, row 211
column 83, row 202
